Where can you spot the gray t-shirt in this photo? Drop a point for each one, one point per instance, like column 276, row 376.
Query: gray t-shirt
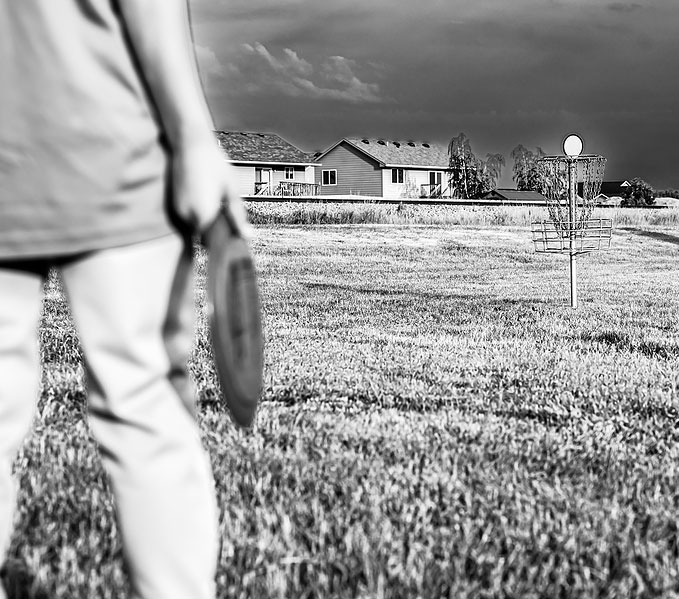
column 82, row 164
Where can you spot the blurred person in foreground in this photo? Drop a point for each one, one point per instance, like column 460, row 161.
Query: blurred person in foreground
column 108, row 166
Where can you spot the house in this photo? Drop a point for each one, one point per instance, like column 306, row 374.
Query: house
column 382, row 168
column 611, row 193
column 514, row 196
column 268, row 165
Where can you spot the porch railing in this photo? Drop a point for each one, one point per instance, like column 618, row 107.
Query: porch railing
column 287, row 189
column 262, row 188
column 431, row 190
column 296, row 188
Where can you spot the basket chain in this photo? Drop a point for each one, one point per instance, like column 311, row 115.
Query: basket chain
column 590, row 171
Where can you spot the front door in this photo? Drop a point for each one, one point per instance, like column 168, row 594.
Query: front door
column 435, row 184
column 263, row 181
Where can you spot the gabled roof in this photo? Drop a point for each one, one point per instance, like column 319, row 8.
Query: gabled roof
column 244, row 146
column 398, row 153
column 515, row 195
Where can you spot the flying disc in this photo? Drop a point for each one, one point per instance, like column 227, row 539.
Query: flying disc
column 234, row 318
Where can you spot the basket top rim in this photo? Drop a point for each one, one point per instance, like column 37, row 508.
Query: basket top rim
column 564, row 158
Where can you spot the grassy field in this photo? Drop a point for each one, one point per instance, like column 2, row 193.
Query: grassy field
column 436, row 422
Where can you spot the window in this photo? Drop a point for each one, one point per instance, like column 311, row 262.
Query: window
column 397, row 175
column 329, row 177
column 289, row 173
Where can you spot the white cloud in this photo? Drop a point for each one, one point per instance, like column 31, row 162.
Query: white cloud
column 208, row 63
column 335, row 78
column 291, row 64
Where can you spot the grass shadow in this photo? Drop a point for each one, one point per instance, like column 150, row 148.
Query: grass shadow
column 351, row 399
column 471, row 298
column 624, row 342
column 544, row 417
column 657, row 235
column 382, row 291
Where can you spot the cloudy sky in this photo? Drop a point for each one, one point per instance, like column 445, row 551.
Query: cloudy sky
column 505, row 72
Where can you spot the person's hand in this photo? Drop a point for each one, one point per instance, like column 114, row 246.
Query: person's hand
column 202, row 181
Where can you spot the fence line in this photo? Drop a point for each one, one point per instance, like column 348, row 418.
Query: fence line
column 316, row 199
column 394, row 201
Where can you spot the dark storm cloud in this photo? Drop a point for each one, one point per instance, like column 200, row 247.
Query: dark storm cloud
column 625, row 6
column 504, row 73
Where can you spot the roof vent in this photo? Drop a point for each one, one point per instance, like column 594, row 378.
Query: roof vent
column 411, row 144
column 381, row 142
column 425, row 145
column 397, row 143
column 365, row 141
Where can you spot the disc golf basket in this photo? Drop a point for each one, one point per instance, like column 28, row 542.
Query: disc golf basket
column 571, row 182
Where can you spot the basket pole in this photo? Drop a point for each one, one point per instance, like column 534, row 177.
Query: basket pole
column 572, row 230
column 572, row 203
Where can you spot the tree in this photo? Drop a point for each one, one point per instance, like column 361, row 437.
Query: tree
column 471, row 177
column 410, row 189
column 639, row 193
column 492, row 169
column 528, row 172
column 668, row 193
column 463, row 166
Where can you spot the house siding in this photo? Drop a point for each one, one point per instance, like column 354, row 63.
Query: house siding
column 279, row 174
column 247, row 175
column 356, row 173
column 417, row 178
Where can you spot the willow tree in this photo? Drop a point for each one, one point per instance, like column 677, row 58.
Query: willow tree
column 528, row 172
column 470, row 177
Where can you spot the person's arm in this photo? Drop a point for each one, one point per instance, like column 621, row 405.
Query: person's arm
column 159, row 33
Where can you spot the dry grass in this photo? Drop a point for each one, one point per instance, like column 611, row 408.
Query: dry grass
column 300, row 213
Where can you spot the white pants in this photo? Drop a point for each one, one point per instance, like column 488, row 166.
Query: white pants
column 134, row 312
